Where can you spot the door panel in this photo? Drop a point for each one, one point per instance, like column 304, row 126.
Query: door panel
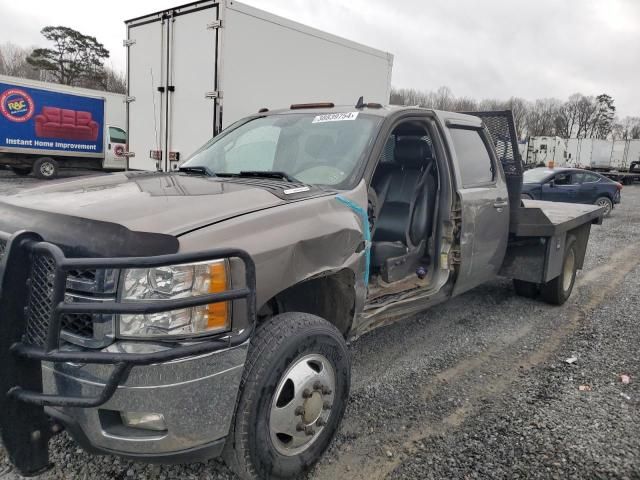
column 145, row 113
column 563, row 190
column 589, row 188
column 485, row 211
column 191, row 112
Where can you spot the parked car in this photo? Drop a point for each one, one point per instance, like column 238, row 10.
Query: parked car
column 571, row 185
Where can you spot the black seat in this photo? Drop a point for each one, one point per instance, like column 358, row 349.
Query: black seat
column 406, row 193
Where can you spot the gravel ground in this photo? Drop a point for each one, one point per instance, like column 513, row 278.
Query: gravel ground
column 477, row 387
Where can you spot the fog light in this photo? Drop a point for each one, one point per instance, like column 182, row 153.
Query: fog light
column 147, row 421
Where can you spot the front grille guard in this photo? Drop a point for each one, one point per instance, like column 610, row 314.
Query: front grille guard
column 23, row 245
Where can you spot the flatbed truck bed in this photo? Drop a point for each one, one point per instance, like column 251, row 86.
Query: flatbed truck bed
column 539, row 234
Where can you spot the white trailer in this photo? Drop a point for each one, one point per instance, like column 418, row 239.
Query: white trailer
column 195, row 69
column 604, row 155
column 46, row 126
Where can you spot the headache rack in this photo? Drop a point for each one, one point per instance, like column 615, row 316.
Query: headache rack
column 36, row 314
column 501, row 126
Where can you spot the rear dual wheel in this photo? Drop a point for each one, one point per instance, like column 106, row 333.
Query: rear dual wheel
column 559, row 289
column 294, row 391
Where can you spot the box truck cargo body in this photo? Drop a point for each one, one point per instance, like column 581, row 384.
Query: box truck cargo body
column 46, row 126
column 550, row 151
column 193, row 70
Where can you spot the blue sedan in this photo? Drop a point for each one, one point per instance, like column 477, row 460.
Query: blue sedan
column 571, row 185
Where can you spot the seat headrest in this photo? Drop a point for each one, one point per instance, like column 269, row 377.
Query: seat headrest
column 412, row 152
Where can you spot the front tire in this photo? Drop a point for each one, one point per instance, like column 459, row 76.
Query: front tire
column 606, row 203
column 294, row 391
column 558, row 290
column 45, row 168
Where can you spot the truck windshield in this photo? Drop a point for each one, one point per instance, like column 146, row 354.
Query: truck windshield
column 315, row 149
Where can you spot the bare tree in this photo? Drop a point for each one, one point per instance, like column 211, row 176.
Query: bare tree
column 13, row 62
column 586, row 109
column 520, row 108
column 580, row 116
column 464, row 104
column 541, row 117
column 114, row 81
column 627, row 129
column 567, row 118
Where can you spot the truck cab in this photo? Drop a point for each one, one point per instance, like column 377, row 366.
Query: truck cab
column 178, row 316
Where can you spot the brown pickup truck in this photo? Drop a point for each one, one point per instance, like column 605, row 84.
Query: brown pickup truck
column 174, row 317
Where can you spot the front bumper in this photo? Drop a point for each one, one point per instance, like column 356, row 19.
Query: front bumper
column 192, row 382
column 617, row 197
column 196, row 397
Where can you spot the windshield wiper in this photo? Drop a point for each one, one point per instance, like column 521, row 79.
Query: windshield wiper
column 198, row 169
column 260, row 174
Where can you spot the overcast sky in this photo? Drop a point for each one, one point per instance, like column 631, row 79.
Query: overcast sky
column 479, row 48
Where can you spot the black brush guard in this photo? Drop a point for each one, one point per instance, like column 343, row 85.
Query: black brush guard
column 26, row 429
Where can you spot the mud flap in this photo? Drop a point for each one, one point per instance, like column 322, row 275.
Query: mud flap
column 26, row 429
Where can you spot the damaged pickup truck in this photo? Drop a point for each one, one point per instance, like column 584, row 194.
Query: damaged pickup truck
column 174, row 317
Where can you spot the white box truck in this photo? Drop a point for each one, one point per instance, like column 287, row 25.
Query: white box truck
column 550, row 151
column 46, row 126
column 194, row 69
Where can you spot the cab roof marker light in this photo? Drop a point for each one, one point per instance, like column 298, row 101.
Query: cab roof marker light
column 300, row 106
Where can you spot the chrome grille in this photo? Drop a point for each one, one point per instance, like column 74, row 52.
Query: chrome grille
column 81, row 285
column 79, row 324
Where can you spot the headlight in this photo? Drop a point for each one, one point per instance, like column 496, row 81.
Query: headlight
column 168, row 283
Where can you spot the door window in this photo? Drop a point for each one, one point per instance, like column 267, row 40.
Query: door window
column 577, row 178
column 117, row 135
column 590, row 178
column 562, row 179
column 476, row 166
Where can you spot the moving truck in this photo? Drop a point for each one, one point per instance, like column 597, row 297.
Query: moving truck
column 46, row 126
column 195, row 69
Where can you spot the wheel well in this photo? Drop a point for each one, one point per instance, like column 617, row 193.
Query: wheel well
column 330, row 296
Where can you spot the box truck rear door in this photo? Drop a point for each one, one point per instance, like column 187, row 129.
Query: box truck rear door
column 192, row 82
column 147, row 44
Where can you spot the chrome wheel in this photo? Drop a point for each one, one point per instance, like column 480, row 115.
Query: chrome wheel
column 567, row 272
column 47, row 169
column 606, row 203
column 302, row 404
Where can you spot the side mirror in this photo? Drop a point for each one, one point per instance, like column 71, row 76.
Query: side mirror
column 552, row 183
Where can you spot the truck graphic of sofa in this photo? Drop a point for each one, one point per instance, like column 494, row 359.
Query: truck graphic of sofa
column 54, row 122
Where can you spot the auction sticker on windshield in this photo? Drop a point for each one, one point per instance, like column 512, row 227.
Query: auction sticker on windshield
column 335, row 117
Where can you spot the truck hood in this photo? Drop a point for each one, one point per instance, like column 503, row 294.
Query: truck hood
column 167, row 203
